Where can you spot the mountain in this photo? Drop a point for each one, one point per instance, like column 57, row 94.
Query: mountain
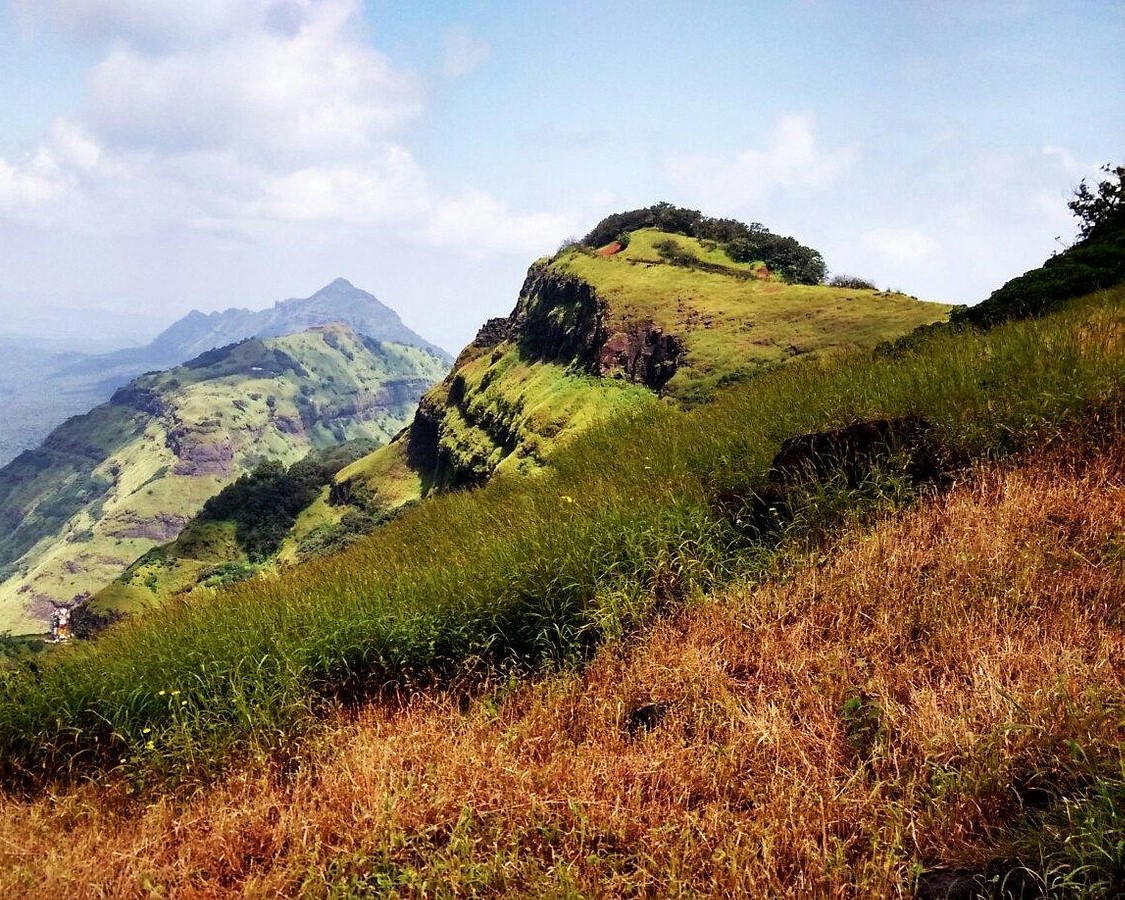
column 197, row 332
column 52, row 386
column 109, row 485
column 849, row 624
column 598, row 333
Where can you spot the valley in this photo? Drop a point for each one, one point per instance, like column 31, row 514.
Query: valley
column 108, row 486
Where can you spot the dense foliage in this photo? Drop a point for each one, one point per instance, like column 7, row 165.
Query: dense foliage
column 743, row 243
column 853, row 282
column 1101, row 210
column 1096, row 262
column 265, row 503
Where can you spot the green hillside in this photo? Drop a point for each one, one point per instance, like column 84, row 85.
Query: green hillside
column 107, row 487
column 595, row 336
column 853, row 625
column 600, row 332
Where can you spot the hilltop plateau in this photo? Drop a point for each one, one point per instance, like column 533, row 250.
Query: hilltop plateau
column 671, row 312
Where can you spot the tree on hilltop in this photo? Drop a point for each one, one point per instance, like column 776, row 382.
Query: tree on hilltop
column 1103, row 210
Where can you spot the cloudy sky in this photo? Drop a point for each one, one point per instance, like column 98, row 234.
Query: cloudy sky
column 157, row 155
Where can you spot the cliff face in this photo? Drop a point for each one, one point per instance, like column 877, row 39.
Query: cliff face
column 560, row 318
column 479, row 416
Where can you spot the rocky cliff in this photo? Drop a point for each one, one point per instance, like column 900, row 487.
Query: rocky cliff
column 595, row 332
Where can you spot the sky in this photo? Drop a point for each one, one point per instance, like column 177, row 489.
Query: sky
column 158, row 156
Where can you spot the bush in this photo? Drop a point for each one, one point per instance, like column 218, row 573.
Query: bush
column 743, row 243
column 852, row 282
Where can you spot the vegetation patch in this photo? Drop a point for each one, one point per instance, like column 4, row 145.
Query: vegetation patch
column 930, row 700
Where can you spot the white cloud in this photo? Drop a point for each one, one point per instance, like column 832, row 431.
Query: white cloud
column 243, row 117
column 463, row 53
column 316, row 93
column 163, row 24
column 28, row 188
column 479, row 222
column 906, row 247
column 792, row 160
column 384, row 189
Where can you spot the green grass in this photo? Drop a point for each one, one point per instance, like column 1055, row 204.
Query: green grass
column 529, row 573
column 732, row 325
column 506, row 412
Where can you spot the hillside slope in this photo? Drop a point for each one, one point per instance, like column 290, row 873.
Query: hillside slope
column 108, row 486
column 600, row 332
column 929, row 703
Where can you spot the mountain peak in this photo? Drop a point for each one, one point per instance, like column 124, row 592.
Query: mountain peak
column 341, row 287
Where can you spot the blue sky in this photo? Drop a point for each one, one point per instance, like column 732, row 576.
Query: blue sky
column 158, row 156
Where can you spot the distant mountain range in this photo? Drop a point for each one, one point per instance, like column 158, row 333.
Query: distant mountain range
column 38, row 393
column 197, row 332
column 107, row 486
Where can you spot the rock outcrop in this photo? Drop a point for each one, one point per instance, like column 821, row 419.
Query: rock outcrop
column 559, row 318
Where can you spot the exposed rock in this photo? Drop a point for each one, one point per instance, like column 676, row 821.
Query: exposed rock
column 851, row 452
column 139, row 398
column 645, row 717
column 493, row 332
column 1000, row 878
column 208, row 453
column 559, row 318
column 643, row 353
column 562, row 318
column 289, row 425
column 161, row 528
column 422, row 440
column 853, row 449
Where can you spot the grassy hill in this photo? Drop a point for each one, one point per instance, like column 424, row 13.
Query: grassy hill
column 108, row 486
column 598, row 334
column 595, row 336
column 853, row 624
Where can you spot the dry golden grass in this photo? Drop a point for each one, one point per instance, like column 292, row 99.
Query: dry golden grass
column 980, row 639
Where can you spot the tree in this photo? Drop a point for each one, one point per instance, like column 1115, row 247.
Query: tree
column 1103, row 210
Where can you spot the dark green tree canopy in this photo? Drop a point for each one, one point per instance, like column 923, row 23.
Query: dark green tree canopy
column 1096, row 261
column 743, row 243
column 1103, row 209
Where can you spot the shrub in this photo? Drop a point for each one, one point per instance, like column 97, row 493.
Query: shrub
column 743, row 243
column 852, row 282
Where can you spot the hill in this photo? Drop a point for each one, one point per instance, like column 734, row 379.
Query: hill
column 598, row 333
column 107, row 486
column 51, row 387
column 851, row 625
column 595, row 335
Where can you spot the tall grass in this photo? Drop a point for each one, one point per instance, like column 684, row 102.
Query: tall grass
column 930, row 704
column 527, row 573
